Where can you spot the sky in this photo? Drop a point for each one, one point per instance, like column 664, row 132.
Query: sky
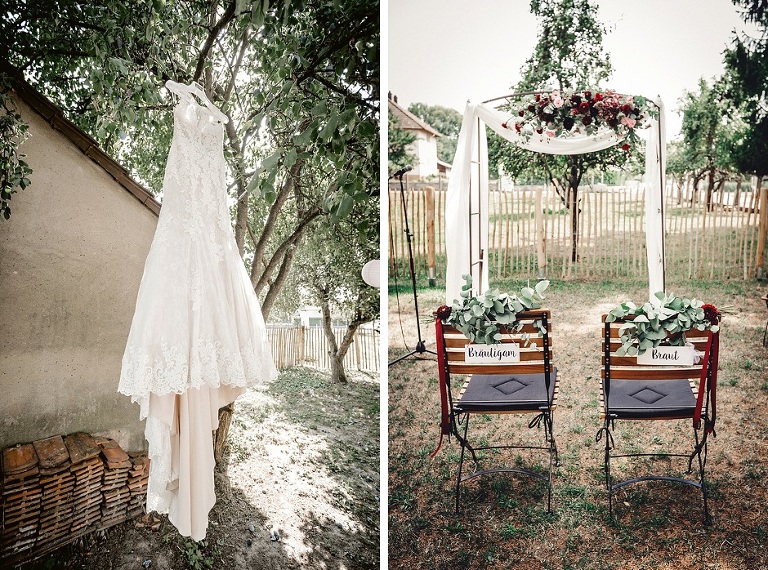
column 445, row 52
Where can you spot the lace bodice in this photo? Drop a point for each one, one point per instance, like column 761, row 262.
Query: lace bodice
column 197, row 318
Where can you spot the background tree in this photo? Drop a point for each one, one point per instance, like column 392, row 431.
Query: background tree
column 568, row 56
column 444, row 120
column 708, row 131
column 399, row 153
column 298, row 80
column 747, row 71
column 330, row 271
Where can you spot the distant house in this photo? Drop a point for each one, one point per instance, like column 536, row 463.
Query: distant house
column 72, row 256
column 425, row 145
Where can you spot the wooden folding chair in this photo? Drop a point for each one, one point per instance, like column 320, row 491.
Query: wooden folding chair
column 639, row 391
column 527, row 386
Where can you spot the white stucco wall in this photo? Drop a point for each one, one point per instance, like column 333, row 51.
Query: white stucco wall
column 426, row 149
column 71, row 260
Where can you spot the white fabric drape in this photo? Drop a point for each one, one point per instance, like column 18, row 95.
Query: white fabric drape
column 471, row 162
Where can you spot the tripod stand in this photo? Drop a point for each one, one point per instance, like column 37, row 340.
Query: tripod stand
column 420, row 347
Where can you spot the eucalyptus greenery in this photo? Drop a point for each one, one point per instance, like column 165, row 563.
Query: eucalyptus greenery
column 665, row 323
column 481, row 318
column 14, row 171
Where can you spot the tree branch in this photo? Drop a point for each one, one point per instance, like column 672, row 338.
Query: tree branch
column 260, row 246
column 226, row 18
column 291, row 242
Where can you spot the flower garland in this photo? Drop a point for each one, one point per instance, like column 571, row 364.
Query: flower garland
column 668, row 322
column 582, row 113
column 480, row 318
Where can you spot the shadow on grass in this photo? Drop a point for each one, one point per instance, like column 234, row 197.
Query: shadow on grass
column 302, row 456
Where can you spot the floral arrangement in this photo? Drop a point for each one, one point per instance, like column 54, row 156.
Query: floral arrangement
column 582, row 112
column 667, row 322
column 480, row 318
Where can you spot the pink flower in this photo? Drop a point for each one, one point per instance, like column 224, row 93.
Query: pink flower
column 628, row 122
column 550, row 133
column 557, row 101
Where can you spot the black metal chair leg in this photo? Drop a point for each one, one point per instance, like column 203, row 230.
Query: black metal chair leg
column 701, row 453
column 464, row 446
column 553, row 457
column 607, row 465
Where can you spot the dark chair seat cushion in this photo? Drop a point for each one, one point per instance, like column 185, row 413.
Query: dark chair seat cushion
column 648, row 399
column 506, row 393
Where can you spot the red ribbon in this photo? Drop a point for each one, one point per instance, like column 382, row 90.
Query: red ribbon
column 713, row 350
column 445, row 421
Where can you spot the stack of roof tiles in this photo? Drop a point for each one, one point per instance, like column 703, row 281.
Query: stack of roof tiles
column 57, row 489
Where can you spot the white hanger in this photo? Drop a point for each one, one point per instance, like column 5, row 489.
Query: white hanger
column 195, row 89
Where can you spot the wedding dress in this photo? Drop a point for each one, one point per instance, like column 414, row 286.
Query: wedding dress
column 198, row 337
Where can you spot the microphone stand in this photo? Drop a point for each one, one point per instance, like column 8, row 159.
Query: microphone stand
column 420, row 348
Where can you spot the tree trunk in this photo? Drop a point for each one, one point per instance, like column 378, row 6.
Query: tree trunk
column 573, row 205
column 338, row 374
column 710, row 188
column 220, row 435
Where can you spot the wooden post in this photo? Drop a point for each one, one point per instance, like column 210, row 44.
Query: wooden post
column 431, row 259
column 541, row 238
column 762, row 231
column 302, row 345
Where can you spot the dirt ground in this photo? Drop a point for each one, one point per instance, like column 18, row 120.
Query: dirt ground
column 301, row 463
column 503, row 523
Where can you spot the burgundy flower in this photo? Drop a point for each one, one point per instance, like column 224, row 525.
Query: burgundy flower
column 586, row 120
column 584, row 107
column 626, row 108
column 443, row 312
column 532, row 108
column 517, row 127
column 538, row 96
column 588, row 94
column 521, row 112
column 626, row 146
column 503, row 125
column 711, row 313
column 568, row 123
column 598, row 96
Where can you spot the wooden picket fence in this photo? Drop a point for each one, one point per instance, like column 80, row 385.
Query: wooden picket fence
column 307, row 346
column 711, row 243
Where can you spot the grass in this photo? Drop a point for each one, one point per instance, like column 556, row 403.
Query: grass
column 503, row 522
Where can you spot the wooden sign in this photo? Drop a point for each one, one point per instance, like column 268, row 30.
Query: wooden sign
column 492, row 353
column 667, row 356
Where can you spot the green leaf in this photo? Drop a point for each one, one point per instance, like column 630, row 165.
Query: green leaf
column 346, row 203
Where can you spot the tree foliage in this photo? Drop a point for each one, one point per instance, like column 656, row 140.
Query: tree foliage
column 399, row 153
column 329, row 269
column 298, row 80
column 710, row 133
column 747, row 73
column 568, row 56
column 14, row 170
